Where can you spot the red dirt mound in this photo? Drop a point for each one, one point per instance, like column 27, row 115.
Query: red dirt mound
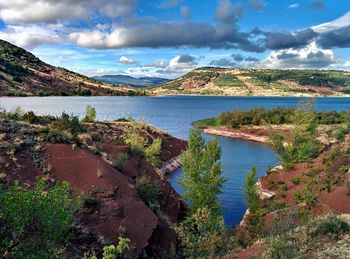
column 115, row 204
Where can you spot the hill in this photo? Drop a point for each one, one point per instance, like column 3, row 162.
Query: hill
column 258, row 82
column 131, row 81
column 22, row 74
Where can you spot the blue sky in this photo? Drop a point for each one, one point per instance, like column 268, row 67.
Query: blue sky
column 168, row 38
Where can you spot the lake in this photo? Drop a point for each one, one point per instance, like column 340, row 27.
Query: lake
column 174, row 114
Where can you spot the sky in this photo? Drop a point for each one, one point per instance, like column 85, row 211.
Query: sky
column 167, row 38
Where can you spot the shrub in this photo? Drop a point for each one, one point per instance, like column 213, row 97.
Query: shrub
column 278, row 205
column 120, row 160
column 343, row 169
column 68, row 123
column 30, row 117
column 307, row 196
column 148, row 190
column 90, row 115
column 139, row 147
column 135, row 142
column 283, row 221
column 35, row 222
column 56, row 137
column 283, row 249
column 16, row 114
column 303, row 145
column 112, row 251
column 204, row 235
column 296, row 180
column 153, row 152
column 331, row 226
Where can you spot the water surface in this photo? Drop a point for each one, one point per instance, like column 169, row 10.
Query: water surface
column 175, row 114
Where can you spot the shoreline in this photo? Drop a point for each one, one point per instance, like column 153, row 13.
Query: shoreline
column 194, row 95
column 235, row 134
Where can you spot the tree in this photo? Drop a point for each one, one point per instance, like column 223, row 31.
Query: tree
column 35, row 223
column 254, row 217
column 202, row 173
column 302, row 144
column 251, row 191
column 90, row 114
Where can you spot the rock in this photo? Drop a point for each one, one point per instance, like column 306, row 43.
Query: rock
column 3, row 177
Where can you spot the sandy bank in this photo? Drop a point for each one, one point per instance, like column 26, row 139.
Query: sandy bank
column 233, row 133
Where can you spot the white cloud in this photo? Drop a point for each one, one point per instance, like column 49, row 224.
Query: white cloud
column 158, row 64
column 333, row 25
column 29, row 37
column 126, row 60
column 182, row 64
column 228, row 11
column 310, row 56
column 53, row 11
column 293, row 6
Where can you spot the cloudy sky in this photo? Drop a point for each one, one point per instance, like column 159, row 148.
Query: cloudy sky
column 168, row 38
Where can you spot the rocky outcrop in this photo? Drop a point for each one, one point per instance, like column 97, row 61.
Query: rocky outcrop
column 170, row 166
column 112, row 206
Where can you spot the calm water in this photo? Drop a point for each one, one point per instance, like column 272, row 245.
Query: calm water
column 175, row 114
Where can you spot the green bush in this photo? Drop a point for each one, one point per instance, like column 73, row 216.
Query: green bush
column 153, row 152
column 30, row 117
column 282, row 249
column 204, row 235
column 296, row 180
column 283, row 221
column 35, row 222
column 90, row 115
column 16, row 114
column 120, row 160
column 56, row 137
column 139, row 147
column 135, row 142
column 148, row 190
column 331, row 226
column 112, row 251
column 305, row 195
column 68, row 123
column 303, row 146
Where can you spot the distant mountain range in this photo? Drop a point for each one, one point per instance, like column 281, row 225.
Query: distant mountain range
column 22, row 74
column 131, row 81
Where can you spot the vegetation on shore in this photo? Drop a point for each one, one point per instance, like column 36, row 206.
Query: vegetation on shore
column 273, row 116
